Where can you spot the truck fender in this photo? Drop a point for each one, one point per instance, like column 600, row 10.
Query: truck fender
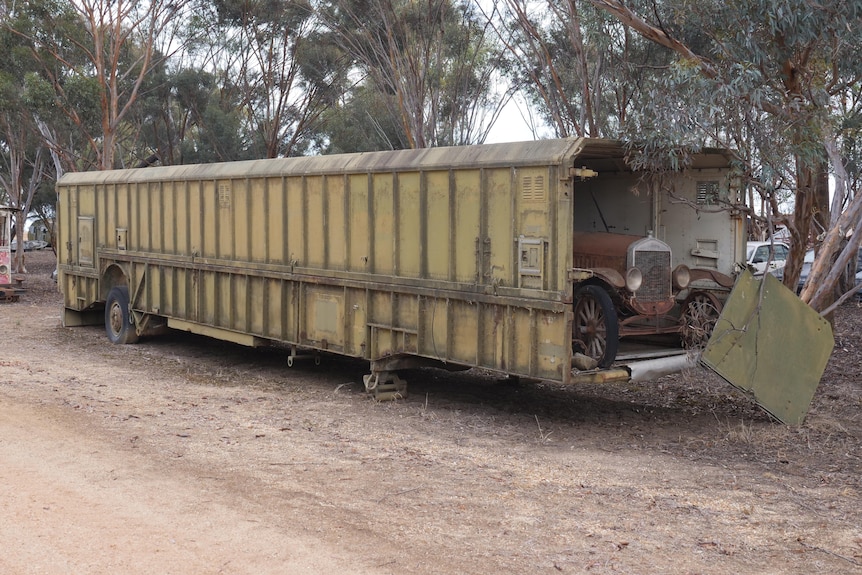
column 610, row 276
column 721, row 279
column 115, row 275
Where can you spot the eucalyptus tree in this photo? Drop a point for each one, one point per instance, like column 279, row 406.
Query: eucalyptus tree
column 184, row 116
column 436, row 61
column 271, row 57
column 581, row 69
column 211, row 120
column 361, row 122
column 770, row 75
column 94, row 56
column 22, row 156
column 22, row 161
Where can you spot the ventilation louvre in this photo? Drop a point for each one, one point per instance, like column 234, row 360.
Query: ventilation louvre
column 707, row 193
column 533, row 189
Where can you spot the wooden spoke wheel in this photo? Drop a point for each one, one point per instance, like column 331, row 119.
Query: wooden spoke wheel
column 700, row 313
column 596, row 329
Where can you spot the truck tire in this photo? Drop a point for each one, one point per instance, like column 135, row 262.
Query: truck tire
column 118, row 321
column 596, row 327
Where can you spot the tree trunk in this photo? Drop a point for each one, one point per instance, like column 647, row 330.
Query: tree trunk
column 806, row 206
column 20, row 219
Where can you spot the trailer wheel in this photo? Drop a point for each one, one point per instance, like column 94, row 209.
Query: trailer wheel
column 596, row 329
column 118, row 323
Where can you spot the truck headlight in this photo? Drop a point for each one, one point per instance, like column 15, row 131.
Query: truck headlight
column 681, row 276
column 634, row 279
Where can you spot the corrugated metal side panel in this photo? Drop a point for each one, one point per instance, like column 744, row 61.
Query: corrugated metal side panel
column 365, row 260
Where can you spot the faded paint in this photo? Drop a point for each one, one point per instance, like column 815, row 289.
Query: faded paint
column 771, row 344
column 459, row 255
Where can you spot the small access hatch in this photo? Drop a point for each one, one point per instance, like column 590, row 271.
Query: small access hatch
column 122, row 238
column 531, row 262
column 86, row 241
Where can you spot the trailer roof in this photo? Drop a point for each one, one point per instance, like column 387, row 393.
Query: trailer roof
column 530, row 153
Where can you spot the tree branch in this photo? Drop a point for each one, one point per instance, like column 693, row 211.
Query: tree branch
column 655, row 34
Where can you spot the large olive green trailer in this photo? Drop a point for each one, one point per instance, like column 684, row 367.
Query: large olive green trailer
column 524, row 258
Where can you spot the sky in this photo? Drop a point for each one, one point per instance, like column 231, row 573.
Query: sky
column 511, row 126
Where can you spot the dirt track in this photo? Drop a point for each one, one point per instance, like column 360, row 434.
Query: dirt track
column 185, row 455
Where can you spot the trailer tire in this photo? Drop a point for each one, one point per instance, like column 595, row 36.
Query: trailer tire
column 118, row 321
column 596, row 327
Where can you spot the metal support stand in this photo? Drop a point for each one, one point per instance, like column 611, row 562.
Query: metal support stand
column 297, row 354
column 385, row 385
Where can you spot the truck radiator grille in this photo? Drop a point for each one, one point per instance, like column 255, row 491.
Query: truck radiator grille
column 656, row 275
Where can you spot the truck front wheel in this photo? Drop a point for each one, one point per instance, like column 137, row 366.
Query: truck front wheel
column 118, row 321
column 596, row 329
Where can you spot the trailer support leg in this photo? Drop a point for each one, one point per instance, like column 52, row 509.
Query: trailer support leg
column 297, row 354
column 385, row 385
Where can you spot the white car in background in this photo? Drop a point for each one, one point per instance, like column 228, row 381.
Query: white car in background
column 763, row 257
column 29, row 245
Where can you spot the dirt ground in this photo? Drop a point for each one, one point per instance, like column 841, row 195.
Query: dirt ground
column 186, row 455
